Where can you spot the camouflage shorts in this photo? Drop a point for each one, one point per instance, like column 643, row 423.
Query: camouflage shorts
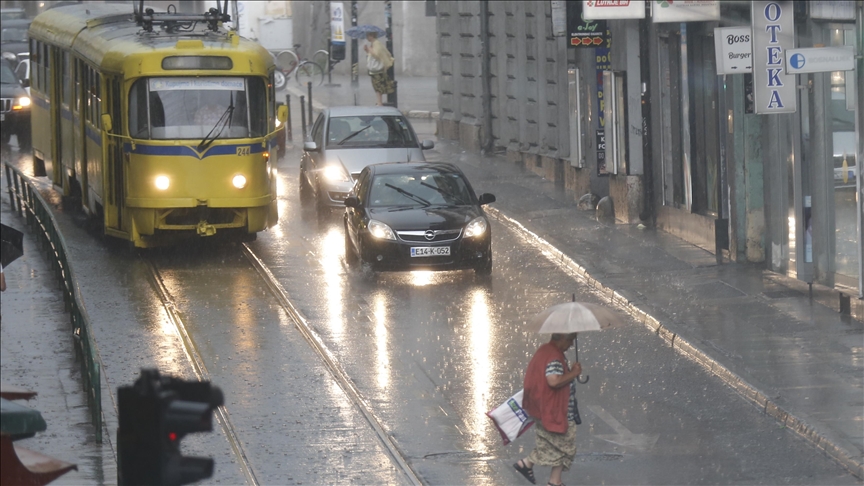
column 382, row 83
column 554, row 449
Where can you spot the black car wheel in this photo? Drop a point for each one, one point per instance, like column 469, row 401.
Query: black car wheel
column 305, row 188
column 351, row 257
column 484, row 268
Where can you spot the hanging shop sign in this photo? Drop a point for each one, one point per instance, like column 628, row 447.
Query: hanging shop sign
column 337, row 23
column 603, row 62
column 685, row 10
column 582, row 32
column 774, row 90
column 559, row 18
column 732, row 50
column 613, row 9
column 820, row 59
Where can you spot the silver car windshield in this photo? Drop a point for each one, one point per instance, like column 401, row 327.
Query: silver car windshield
column 370, row 131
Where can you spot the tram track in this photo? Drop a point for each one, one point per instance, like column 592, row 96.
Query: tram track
column 329, row 360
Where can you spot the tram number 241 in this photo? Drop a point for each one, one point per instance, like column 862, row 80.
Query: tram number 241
column 245, row 150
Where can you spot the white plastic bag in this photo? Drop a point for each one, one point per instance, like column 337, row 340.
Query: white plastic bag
column 510, row 419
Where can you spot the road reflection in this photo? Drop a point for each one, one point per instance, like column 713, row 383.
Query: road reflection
column 382, row 353
column 332, row 251
column 479, row 327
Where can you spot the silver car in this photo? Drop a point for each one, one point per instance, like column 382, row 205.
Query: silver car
column 343, row 141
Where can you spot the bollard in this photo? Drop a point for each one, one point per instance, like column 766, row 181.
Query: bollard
column 303, row 116
column 309, row 90
column 289, row 135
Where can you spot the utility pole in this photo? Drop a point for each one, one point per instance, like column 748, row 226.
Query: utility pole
column 388, row 16
column 355, row 81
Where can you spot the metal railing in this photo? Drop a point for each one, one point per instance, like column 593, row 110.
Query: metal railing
column 26, row 201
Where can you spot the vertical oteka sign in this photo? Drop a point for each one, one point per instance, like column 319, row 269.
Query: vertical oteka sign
column 774, row 91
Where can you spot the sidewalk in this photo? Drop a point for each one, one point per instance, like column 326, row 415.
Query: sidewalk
column 37, row 353
column 417, row 96
column 794, row 357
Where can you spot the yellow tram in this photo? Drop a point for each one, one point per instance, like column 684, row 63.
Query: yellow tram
column 160, row 125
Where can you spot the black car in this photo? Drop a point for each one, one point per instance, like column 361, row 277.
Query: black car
column 417, row 216
column 14, row 108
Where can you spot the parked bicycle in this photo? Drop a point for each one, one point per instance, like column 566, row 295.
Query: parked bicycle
column 290, row 63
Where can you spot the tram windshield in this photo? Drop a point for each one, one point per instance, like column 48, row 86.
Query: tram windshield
column 166, row 108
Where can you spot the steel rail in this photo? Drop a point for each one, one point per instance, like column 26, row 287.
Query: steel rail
column 332, row 363
column 200, row 369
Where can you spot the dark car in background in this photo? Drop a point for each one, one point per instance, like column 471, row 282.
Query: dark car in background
column 14, row 42
column 14, row 108
column 417, row 216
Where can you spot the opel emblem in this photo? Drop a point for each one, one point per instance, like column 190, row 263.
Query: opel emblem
column 430, row 235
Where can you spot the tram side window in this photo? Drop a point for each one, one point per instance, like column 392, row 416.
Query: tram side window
column 66, row 89
column 46, row 69
column 257, row 107
column 138, row 126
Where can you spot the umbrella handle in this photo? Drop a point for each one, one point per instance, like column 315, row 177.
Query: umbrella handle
column 576, row 350
column 579, row 379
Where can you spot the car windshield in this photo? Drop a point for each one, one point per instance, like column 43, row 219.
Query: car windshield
column 6, row 74
column 370, row 131
column 419, row 189
column 189, row 108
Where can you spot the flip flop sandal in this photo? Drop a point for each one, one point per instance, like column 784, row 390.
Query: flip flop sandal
column 525, row 471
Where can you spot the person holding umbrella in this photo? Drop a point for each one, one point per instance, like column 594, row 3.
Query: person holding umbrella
column 549, row 390
column 378, row 61
column 550, row 398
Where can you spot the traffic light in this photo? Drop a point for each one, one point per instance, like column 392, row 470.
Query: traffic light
column 155, row 414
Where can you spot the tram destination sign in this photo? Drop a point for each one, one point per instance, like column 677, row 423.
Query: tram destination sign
column 820, row 59
column 774, row 90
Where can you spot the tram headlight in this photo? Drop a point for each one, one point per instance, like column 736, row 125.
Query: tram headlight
column 162, row 182
column 239, row 181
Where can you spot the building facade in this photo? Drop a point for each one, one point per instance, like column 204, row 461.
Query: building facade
column 645, row 115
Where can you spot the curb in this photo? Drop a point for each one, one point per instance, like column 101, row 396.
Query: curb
column 688, row 349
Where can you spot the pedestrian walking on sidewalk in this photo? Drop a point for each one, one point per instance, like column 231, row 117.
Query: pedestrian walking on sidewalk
column 550, row 398
column 378, row 61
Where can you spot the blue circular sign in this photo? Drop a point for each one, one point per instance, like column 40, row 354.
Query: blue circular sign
column 797, row 61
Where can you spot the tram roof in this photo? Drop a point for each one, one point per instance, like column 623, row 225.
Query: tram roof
column 107, row 35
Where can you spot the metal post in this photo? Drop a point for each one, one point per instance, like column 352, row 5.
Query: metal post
column 309, row 90
column 303, row 116
column 355, row 59
column 388, row 16
column 289, row 135
column 859, row 142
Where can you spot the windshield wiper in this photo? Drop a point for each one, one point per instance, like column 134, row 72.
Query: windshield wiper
column 445, row 193
column 409, row 195
column 224, row 120
column 354, row 134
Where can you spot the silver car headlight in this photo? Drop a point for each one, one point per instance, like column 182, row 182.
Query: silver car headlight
column 381, row 231
column 335, row 173
column 476, row 227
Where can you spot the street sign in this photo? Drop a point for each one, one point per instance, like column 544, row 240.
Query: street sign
column 584, row 33
column 820, row 59
column 685, row 11
column 732, row 50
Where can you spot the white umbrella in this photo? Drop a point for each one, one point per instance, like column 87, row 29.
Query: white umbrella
column 573, row 317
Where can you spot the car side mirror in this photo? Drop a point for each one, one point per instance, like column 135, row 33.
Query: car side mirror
column 427, row 144
column 486, row 198
column 310, row 147
column 25, row 83
column 352, row 202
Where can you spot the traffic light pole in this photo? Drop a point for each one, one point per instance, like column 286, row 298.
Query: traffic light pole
column 355, row 59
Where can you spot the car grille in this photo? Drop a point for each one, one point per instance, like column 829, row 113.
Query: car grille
column 6, row 105
column 437, row 235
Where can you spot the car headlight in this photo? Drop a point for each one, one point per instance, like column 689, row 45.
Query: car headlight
column 381, row 231
column 334, row 173
column 476, row 227
column 162, row 182
column 21, row 103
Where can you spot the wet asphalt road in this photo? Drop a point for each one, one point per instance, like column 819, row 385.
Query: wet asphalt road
column 428, row 353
